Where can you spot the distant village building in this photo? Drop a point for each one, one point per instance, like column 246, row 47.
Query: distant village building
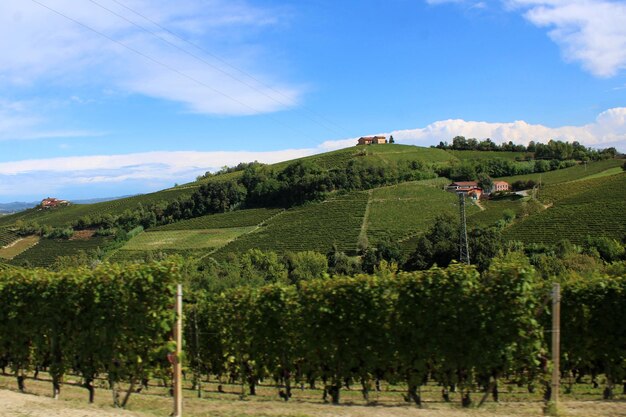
column 52, row 202
column 501, row 186
column 472, row 190
column 463, row 186
column 372, row 140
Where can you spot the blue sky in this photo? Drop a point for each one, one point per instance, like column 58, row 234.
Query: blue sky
column 114, row 97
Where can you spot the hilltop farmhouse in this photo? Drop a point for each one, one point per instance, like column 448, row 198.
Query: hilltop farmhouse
column 372, row 140
column 52, row 202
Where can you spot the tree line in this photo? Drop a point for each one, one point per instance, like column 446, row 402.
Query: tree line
column 554, row 149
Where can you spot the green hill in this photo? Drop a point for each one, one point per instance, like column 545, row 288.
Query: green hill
column 583, row 199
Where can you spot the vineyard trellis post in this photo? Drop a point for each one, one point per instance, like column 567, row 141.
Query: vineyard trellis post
column 178, row 336
column 556, row 340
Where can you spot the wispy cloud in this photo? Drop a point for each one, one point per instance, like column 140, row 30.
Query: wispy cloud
column 105, row 175
column 19, row 120
column 40, row 47
column 590, row 32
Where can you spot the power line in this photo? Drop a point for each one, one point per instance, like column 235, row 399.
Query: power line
column 166, row 66
column 216, row 57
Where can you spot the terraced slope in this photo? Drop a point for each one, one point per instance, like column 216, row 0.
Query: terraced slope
column 314, row 226
column 596, row 207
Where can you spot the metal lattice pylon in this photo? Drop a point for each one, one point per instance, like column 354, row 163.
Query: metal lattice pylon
column 463, row 244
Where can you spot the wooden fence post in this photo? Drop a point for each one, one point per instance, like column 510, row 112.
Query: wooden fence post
column 178, row 374
column 556, row 341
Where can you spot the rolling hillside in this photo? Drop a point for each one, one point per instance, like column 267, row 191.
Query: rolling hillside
column 581, row 200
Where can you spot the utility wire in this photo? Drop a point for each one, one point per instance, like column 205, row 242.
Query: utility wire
column 168, row 67
column 223, row 61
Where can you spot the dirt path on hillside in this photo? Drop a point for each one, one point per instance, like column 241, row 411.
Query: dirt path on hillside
column 14, row 404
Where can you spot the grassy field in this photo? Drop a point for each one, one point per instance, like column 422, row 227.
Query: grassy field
column 583, row 402
column 381, row 153
column 494, row 211
column 47, row 250
column 184, row 239
column 238, row 218
column 314, row 226
column 407, row 209
column 569, row 174
column 18, row 246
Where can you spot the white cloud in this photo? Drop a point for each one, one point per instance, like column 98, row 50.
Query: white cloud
column 609, row 129
column 592, row 32
column 40, row 47
column 106, row 175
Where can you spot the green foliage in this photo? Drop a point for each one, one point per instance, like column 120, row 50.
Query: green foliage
column 438, row 246
column 610, row 250
column 443, row 323
column 594, row 337
column 305, row 266
column 109, row 320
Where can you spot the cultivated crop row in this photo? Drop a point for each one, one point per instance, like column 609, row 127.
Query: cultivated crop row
column 572, row 222
column 238, row 218
column 112, row 321
column 7, row 236
column 567, row 174
column 453, row 326
column 184, row 239
column 315, row 227
column 606, row 188
column 47, row 251
column 405, row 209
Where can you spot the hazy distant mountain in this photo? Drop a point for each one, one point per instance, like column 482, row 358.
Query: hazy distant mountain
column 16, row 206
column 8, row 208
column 98, row 200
